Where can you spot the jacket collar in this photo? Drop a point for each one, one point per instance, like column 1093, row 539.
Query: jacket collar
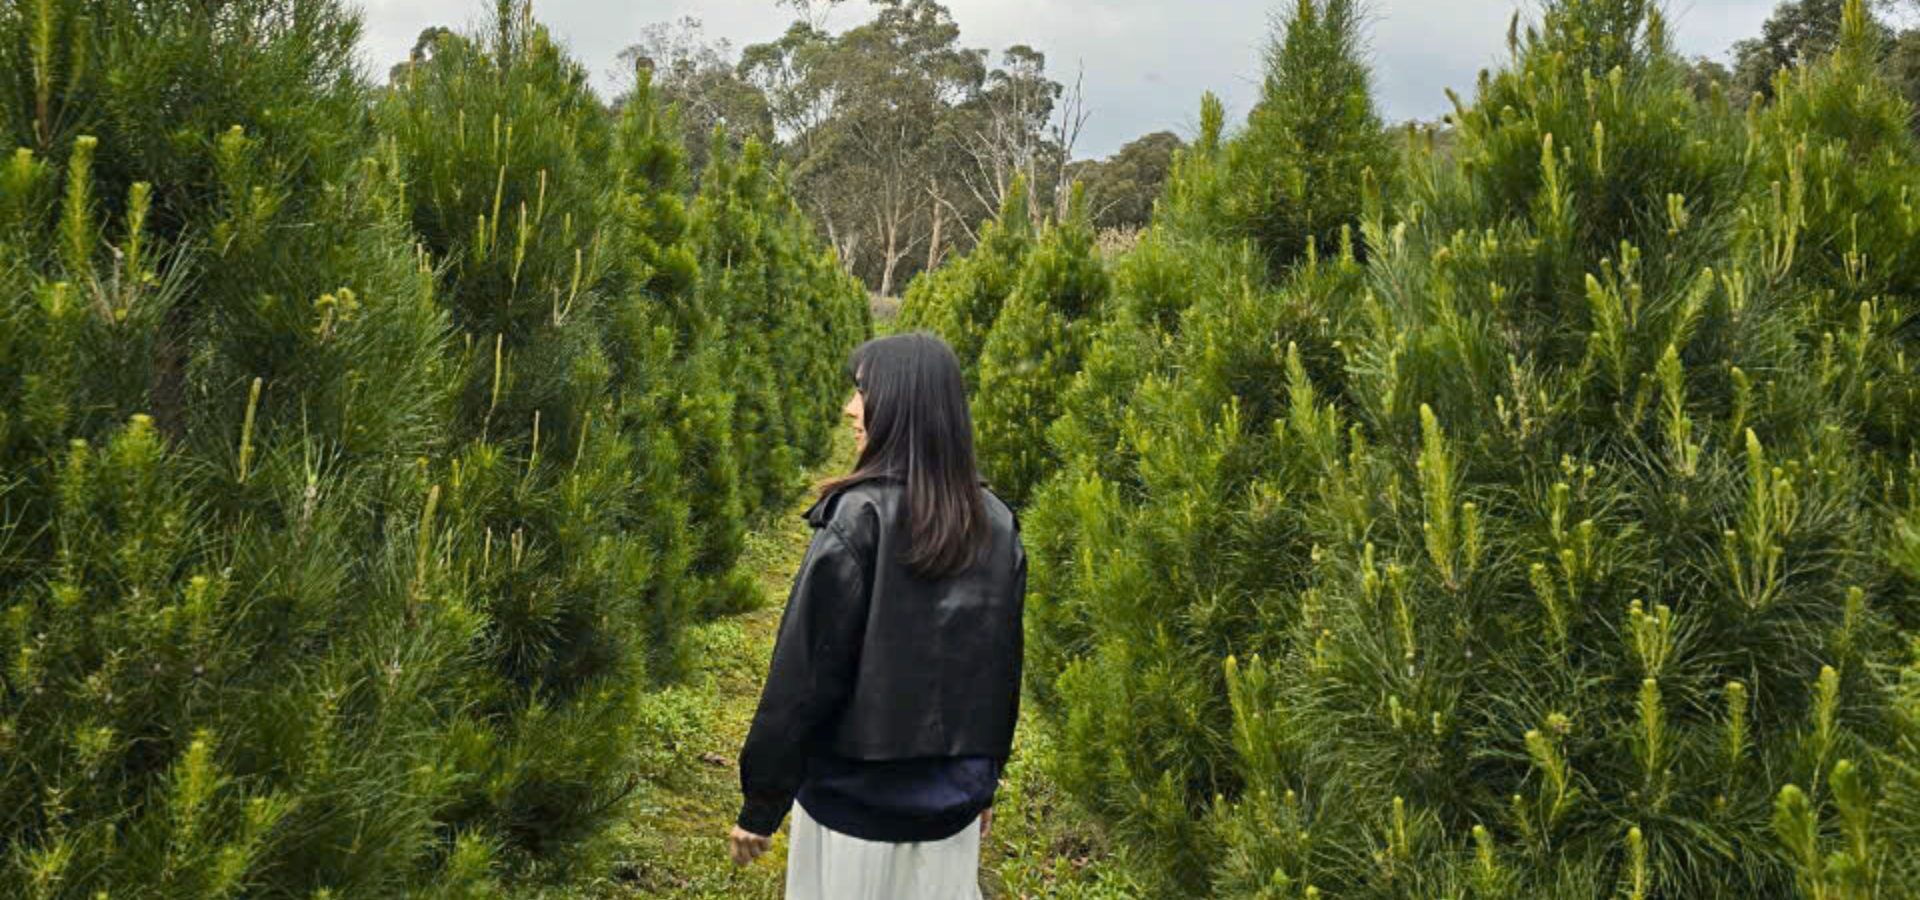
column 816, row 515
column 822, row 509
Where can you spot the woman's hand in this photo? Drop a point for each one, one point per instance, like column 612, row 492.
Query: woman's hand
column 745, row 846
column 986, row 823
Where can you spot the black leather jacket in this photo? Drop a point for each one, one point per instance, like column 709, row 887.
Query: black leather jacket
column 874, row 663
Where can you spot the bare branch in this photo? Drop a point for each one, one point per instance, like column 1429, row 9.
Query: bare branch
column 1066, row 133
column 960, row 217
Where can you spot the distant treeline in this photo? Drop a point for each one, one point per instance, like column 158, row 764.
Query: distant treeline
column 902, row 141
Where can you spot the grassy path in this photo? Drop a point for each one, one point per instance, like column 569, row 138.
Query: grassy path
column 672, row 845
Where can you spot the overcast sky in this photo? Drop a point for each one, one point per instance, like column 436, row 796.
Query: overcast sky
column 1146, row 62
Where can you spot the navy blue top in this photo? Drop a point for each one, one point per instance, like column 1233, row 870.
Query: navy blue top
column 899, row 801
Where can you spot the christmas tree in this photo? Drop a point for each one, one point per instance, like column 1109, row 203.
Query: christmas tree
column 1167, row 424
column 1542, row 547
column 363, row 456
column 787, row 313
column 1032, row 352
column 657, row 268
column 960, row 301
column 1295, row 175
column 500, row 137
column 235, row 661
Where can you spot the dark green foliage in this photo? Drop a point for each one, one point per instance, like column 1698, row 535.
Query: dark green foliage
column 788, row 316
column 158, row 83
column 353, row 487
column 1833, row 186
column 229, row 672
column 1121, row 188
column 561, row 497
column 1561, row 548
column 659, row 269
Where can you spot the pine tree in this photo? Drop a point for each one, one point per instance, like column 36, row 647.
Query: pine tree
column 1582, row 608
column 1536, row 551
column 1295, row 175
column 657, row 269
column 1195, row 196
column 1166, row 424
column 821, row 331
column 1101, row 435
column 1181, row 556
column 1152, row 288
column 1032, row 352
column 1286, row 187
column 1838, row 169
column 790, row 317
column 235, row 664
column 960, row 301
column 570, row 525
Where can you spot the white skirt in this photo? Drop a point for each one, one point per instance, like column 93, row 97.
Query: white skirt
column 823, row 864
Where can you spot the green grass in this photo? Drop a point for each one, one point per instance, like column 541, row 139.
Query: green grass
column 1042, row 846
column 672, row 843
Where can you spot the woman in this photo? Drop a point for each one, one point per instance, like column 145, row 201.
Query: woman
column 890, row 705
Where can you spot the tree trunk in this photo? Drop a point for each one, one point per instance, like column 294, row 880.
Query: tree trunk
column 892, row 225
column 933, row 242
column 886, row 270
column 845, row 247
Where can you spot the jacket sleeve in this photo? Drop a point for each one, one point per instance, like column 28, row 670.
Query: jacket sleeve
column 1019, row 633
column 1019, row 657
column 815, row 657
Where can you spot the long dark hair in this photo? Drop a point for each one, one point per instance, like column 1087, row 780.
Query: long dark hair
column 919, row 432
